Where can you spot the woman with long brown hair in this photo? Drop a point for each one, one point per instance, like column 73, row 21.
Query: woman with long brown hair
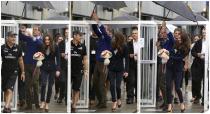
column 117, row 69
column 49, row 70
column 175, row 66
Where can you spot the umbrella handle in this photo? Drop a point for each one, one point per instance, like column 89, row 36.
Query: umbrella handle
column 93, row 11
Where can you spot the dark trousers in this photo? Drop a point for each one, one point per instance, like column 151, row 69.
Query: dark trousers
column 115, row 79
column 63, row 84
column 91, row 87
column 162, row 80
column 99, row 79
column 176, row 77
column 32, row 84
column 57, row 85
column 21, row 88
column 46, row 77
column 131, row 84
column 196, row 86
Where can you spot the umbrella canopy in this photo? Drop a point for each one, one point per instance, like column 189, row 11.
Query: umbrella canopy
column 40, row 4
column 125, row 17
column 178, row 7
column 119, row 26
column 58, row 17
column 53, row 26
column 111, row 4
column 198, row 18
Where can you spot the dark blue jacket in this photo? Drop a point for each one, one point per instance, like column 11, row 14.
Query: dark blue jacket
column 49, row 63
column 176, row 60
column 168, row 45
column 104, row 42
column 116, row 61
column 31, row 48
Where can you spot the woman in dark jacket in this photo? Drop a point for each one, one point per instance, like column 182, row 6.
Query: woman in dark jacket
column 175, row 66
column 49, row 70
column 117, row 69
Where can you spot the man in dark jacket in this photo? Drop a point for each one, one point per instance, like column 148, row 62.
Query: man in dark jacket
column 133, row 48
column 33, row 45
column 197, row 69
column 93, row 46
column 99, row 77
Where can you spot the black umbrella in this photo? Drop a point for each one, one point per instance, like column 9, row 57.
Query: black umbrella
column 178, row 7
column 58, row 17
column 40, row 4
column 198, row 18
column 55, row 26
column 125, row 17
column 111, row 4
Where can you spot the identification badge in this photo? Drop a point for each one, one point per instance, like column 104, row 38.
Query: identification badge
column 93, row 52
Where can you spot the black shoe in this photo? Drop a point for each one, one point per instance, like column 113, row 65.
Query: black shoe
column 129, row 101
column 37, row 106
column 202, row 104
column 55, row 97
column 102, row 106
column 28, row 108
column 196, row 101
column 176, row 101
column 59, row 101
column 162, row 106
column 182, row 110
column 7, row 110
column 73, row 110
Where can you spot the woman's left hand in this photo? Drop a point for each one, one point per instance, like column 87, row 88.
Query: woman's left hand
column 57, row 74
column 125, row 74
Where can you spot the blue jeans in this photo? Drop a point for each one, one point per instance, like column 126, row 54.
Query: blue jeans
column 46, row 77
column 115, row 79
column 176, row 76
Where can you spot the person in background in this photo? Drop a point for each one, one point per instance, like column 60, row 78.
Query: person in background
column 21, row 83
column 58, row 40
column 93, row 46
column 194, row 93
column 131, row 85
column 11, row 55
column 63, row 47
column 197, row 69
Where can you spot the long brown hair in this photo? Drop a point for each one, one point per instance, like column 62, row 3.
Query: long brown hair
column 44, row 46
column 119, row 41
column 185, row 43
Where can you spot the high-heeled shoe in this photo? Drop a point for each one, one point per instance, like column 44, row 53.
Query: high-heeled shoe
column 170, row 111
column 46, row 109
column 42, row 106
column 119, row 104
column 182, row 110
column 114, row 107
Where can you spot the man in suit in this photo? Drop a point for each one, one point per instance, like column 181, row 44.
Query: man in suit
column 133, row 48
column 197, row 69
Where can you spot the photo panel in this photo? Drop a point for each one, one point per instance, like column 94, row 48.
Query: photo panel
column 48, row 85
